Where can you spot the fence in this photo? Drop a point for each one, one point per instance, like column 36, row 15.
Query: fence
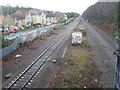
column 7, row 50
column 24, row 37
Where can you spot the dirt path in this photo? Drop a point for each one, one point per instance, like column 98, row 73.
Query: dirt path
column 102, row 47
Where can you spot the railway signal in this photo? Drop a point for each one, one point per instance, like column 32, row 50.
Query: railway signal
column 117, row 53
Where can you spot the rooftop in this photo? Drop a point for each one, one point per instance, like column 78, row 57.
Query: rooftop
column 51, row 15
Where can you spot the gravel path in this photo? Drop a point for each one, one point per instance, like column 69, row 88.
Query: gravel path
column 102, row 47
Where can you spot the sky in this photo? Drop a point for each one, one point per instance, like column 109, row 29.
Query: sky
column 78, row 6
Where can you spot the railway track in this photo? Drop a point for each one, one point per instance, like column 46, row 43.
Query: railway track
column 23, row 79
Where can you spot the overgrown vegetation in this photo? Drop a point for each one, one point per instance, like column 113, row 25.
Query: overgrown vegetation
column 63, row 21
column 72, row 14
column 102, row 12
column 5, row 42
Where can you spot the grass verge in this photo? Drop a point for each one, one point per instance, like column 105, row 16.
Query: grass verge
column 79, row 71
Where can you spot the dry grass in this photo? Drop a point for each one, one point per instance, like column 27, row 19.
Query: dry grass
column 80, row 70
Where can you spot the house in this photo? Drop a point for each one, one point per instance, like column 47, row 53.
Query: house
column 8, row 21
column 61, row 16
column 19, row 17
column 51, row 18
column 1, row 20
column 28, row 19
column 36, row 17
column 65, row 17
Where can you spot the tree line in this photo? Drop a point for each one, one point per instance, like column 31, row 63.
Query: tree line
column 8, row 10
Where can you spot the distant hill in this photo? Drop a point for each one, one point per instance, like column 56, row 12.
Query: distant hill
column 102, row 12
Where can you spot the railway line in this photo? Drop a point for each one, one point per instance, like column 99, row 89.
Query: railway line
column 23, row 79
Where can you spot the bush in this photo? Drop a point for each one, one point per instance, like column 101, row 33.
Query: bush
column 63, row 21
column 5, row 42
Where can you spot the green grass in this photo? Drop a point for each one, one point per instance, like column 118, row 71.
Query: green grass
column 5, row 42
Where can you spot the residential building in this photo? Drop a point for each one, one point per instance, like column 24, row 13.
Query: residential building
column 36, row 17
column 8, row 21
column 28, row 19
column 51, row 18
column 61, row 16
column 19, row 17
column 65, row 17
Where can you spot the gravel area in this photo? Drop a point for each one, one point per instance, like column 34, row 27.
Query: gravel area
column 47, row 76
column 29, row 52
column 102, row 48
column 102, row 51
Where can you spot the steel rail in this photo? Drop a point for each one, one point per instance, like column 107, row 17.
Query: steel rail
column 57, row 39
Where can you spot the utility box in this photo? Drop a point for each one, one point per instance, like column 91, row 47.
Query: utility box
column 76, row 38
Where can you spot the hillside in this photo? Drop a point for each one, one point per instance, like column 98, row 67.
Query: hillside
column 102, row 12
column 104, row 16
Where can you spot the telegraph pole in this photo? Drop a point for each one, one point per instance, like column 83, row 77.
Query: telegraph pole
column 117, row 53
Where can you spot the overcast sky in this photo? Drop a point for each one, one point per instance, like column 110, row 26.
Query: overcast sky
column 78, row 6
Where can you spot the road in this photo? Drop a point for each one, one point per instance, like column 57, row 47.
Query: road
column 102, row 47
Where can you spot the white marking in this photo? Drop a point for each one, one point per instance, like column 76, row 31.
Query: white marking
column 64, row 52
